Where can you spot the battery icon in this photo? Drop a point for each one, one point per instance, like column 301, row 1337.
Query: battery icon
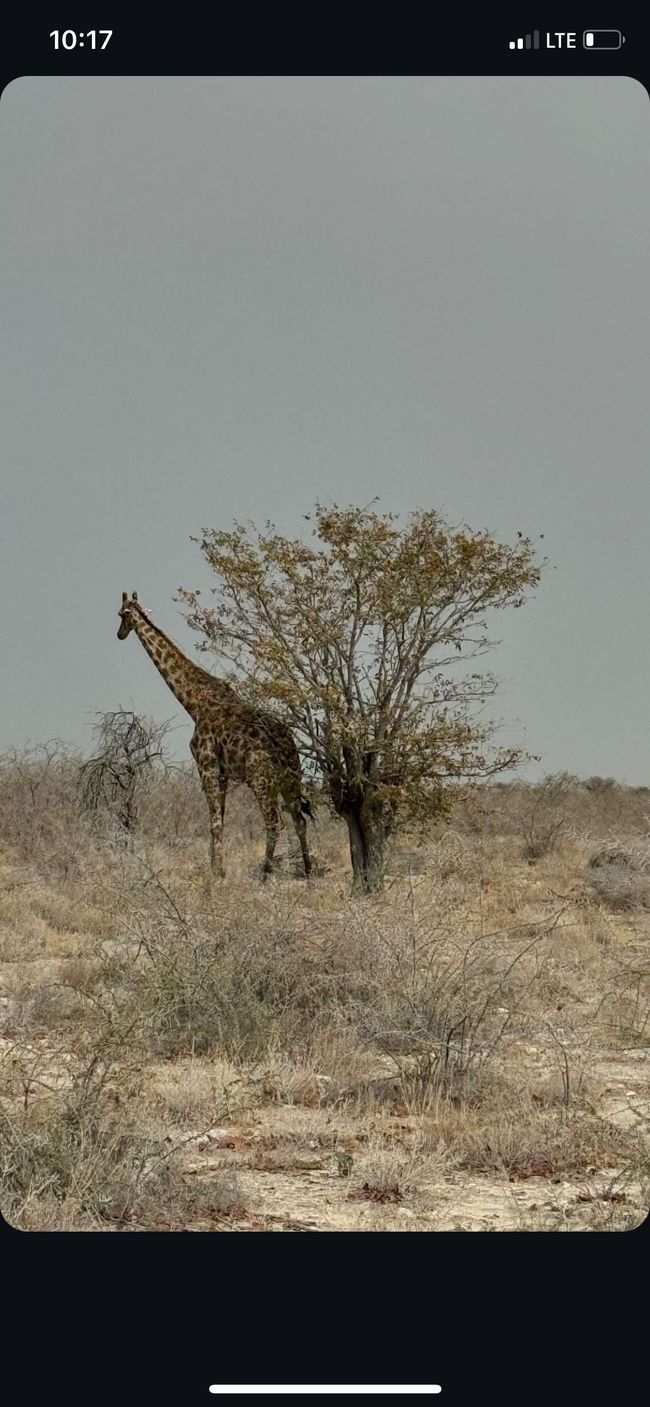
column 602, row 39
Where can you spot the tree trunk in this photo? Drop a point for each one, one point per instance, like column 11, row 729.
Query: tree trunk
column 367, row 849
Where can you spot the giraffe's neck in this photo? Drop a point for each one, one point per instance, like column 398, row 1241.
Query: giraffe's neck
column 182, row 676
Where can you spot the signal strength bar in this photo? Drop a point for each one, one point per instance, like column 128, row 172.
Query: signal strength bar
column 529, row 41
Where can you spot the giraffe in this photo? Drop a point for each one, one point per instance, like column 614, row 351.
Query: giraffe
column 231, row 740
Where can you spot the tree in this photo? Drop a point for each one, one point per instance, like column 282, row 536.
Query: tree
column 358, row 639
column 129, row 746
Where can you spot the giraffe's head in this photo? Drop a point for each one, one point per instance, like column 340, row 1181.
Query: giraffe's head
column 126, row 613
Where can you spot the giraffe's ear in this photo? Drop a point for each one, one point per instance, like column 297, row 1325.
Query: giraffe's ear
column 124, row 597
column 134, row 595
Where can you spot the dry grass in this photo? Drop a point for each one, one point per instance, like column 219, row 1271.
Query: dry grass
column 239, row 1055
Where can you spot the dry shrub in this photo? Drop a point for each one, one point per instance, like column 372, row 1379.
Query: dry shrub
column 39, row 819
column 621, row 878
column 546, row 816
column 172, row 806
column 79, row 1157
column 250, row 980
column 406, row 862
column 601, row 1214
column 211, row 1204
column 50, row 1006
column 241, row 993
column 21, row 944
column 390, row 1171
column 441, row 1002
column 196, row 1090
column 130, row 748
column 624, row 1007
column 456, row 856
column 43, row 820
column 597, row 807
column 68, row 1004
column 543, row 1144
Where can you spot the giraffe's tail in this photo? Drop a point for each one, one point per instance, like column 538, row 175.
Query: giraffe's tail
column 307, row 809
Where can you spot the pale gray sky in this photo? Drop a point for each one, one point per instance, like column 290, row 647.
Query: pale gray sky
column 227, row 297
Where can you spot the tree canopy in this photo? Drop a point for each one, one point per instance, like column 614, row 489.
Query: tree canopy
column 362, row 637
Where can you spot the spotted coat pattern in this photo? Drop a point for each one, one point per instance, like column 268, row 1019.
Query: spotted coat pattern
column 232, row 740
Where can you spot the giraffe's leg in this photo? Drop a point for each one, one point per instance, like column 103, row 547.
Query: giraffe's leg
column 267, row 800
column 272, row 822
column 214, row 795
column 301, row 832
column 223, row 787
column 204, row 753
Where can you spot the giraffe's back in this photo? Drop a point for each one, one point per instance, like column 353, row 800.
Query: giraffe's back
column 254, row 744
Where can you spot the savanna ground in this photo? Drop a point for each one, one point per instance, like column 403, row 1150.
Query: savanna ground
column 468, row 1051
